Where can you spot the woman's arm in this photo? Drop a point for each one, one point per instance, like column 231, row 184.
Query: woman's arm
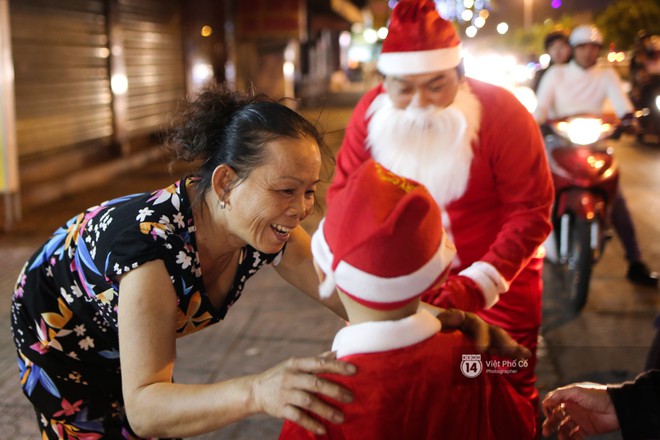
column 156, row 407
column 297, row 268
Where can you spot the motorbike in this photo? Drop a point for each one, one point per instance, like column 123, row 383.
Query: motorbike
column 586, row 177
column 645, row 87
column 648, row 112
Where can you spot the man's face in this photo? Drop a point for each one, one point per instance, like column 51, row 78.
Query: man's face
column 436, row 88
column 586, row 55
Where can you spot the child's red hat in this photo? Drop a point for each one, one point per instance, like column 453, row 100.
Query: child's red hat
column 382, row 241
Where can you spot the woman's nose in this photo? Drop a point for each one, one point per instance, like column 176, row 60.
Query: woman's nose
column 301, row 207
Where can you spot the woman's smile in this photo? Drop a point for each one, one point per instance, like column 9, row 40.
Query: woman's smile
column 281, row 232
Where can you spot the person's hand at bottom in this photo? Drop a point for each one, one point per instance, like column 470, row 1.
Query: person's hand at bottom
column 579, row 410
column 289, row 389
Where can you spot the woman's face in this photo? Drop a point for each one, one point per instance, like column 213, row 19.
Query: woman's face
column 560, row 51
column 278, row 195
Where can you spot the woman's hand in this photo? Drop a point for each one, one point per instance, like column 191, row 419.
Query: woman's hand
column 288, row 389
column 488, row 338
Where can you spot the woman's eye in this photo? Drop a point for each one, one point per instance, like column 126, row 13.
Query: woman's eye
column 288, row 192
column 310, row 193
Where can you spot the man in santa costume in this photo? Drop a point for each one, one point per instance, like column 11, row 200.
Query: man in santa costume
column 380, row 247
column 480, row 154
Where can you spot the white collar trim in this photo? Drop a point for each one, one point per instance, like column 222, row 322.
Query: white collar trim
column 373, row 337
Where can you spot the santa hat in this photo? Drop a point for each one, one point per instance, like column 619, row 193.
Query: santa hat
column 418, row 41
column 382, row 241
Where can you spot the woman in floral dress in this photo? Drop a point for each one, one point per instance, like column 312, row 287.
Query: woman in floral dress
column 167, row 264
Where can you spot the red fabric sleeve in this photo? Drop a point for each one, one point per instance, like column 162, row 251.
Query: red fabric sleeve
column 522, row 179
column 458, row 292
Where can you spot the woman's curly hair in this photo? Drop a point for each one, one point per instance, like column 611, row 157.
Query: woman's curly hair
column 222, row 126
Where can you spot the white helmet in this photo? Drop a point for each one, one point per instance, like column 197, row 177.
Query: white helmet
column 586, row 34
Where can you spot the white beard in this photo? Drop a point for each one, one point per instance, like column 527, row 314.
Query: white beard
column 430, row 145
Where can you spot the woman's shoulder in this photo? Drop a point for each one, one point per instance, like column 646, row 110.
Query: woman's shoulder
column 163, row 205
column 132, row 230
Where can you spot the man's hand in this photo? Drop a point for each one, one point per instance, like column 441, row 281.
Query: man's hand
column 629, row 124
column 487, row 338
column 579, row 410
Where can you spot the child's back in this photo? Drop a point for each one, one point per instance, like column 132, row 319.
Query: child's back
column 379, row 248
column 418, row 392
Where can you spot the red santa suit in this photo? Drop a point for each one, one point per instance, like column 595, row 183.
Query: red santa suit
column 409, row 386
column 498, row 217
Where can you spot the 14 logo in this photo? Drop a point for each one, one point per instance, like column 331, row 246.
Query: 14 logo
column 471, row 365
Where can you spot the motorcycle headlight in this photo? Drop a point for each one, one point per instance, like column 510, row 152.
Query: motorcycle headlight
column 585, row 131
column 657, row 102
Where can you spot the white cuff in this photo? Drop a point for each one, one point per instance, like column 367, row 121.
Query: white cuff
column 491, row 282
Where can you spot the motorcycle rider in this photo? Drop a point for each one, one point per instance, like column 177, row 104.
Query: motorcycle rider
column 581, row 86
column 557, row 46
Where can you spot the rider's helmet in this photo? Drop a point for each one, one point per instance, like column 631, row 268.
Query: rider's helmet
column 586, row 34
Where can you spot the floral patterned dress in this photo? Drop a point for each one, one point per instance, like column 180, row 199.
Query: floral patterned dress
column 64, row 307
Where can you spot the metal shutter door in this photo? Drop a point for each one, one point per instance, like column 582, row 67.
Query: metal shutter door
column 63, row 98
column 154, row 62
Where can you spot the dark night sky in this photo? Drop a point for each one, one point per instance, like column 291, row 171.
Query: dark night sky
column 512, row 11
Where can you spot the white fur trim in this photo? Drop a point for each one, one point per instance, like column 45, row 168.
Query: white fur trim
column 377, row 336
column 434, row 148
column 490, row 280
column 421, row 61
column 384, row 290
column 328, row 286
column 366, row 286
column 323, row 257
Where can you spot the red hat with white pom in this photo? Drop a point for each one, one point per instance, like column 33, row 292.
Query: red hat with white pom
column 418, row 41
column 382, row 241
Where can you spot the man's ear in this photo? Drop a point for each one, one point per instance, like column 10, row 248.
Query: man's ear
column 221, row 182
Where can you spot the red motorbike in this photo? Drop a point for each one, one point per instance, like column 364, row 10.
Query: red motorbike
column 586, row 177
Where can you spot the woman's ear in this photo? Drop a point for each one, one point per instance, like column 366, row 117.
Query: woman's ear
column 221, row 182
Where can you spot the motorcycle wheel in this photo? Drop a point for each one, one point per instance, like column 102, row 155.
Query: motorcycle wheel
column 579, row 264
